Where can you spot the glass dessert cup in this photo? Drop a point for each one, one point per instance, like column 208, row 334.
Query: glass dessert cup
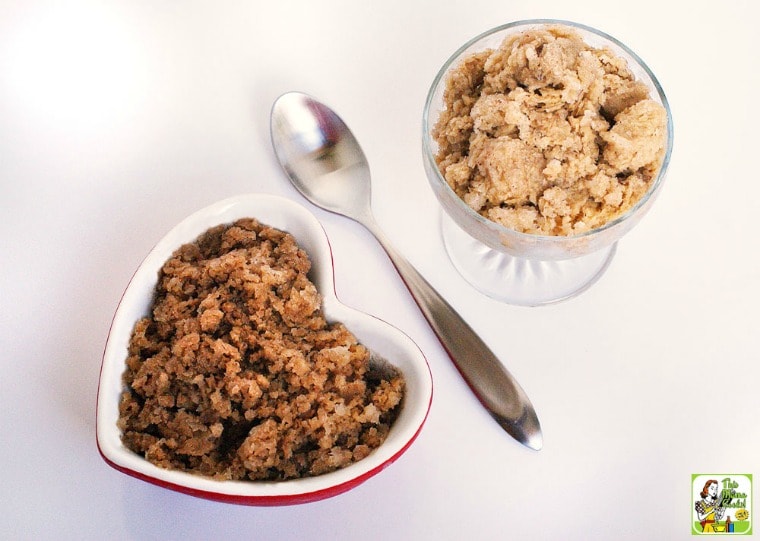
column 521, row 268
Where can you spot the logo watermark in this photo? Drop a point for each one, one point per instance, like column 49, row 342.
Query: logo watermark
column 721, row 504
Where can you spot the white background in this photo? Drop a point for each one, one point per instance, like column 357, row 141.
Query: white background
column 118, row 119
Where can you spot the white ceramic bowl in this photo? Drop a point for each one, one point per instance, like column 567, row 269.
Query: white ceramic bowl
column 380, row 337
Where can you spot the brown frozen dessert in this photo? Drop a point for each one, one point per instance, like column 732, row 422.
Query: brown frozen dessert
column 548, row 135
column 236, row 374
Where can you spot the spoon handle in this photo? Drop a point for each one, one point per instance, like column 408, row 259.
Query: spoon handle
column 491, row 382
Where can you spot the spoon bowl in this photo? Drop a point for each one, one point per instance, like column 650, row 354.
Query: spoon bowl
column 320, row 155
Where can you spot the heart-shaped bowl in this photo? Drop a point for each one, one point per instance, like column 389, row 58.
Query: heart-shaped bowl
column 381, row 338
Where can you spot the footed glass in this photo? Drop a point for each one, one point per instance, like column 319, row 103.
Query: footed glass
column 520, row 268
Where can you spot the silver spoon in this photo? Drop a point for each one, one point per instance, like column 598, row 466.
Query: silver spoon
column 326, row 164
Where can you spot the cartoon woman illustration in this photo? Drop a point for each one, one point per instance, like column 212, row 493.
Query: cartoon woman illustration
column 707, row 508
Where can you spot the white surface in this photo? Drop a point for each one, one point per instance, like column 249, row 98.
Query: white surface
column 119, row 119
